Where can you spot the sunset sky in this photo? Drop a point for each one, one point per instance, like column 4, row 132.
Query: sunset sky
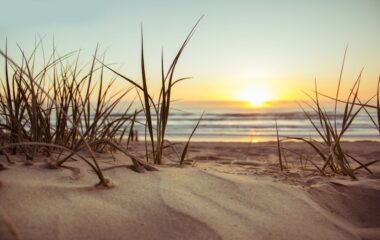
column 242, row 50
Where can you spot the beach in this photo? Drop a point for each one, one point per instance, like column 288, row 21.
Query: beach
column 223, row 191
column 233, row 120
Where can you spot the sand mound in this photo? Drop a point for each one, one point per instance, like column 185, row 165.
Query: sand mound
column 358, row 202
column 173, row 203
column 235, row 191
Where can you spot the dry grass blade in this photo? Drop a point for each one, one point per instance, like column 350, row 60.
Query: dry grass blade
column 146, row 95
column 279, row 148
column 139, row 166
column 184, row 152
column 338, row 88
column 378, row 104
column 367, row 164
column 361, row 164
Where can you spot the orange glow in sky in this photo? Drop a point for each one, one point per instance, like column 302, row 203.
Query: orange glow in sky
column 263, row 52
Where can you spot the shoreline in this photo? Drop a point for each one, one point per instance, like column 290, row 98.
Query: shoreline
column 269, row 141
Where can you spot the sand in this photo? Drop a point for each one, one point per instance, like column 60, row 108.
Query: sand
column 227, row 191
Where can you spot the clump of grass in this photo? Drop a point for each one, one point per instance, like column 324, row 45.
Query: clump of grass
column 331, row 130
column 162, row 106
column 28, row 108
column 50, row 109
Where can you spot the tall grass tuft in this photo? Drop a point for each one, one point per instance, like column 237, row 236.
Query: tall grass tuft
column 331, row 130
column 162, row 106
column 49, row 109
column 64, row 108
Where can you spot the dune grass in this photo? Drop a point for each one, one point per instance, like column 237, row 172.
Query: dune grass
column 64, row 108
column 160, row 107
column 331, row 128
column 47, row 110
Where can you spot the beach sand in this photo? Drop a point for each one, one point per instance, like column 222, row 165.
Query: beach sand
column 225, row 191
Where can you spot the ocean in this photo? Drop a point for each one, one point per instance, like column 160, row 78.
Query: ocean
column 256, row 125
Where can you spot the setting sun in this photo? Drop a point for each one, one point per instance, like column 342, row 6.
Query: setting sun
column 256, row 96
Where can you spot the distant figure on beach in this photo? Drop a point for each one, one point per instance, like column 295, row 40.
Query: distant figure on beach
column 136, row 136
column 131, row 135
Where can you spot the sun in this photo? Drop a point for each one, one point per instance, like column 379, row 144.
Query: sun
column 256, row 96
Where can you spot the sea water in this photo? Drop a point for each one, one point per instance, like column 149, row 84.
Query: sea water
column 257, row 124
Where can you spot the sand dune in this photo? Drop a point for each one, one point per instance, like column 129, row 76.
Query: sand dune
column 200, row 202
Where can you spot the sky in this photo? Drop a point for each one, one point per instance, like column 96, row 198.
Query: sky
column 241, row 50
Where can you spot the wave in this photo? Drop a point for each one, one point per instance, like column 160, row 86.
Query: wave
column 218, row 125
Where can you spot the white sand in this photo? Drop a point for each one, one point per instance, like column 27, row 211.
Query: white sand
column 198, row 202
